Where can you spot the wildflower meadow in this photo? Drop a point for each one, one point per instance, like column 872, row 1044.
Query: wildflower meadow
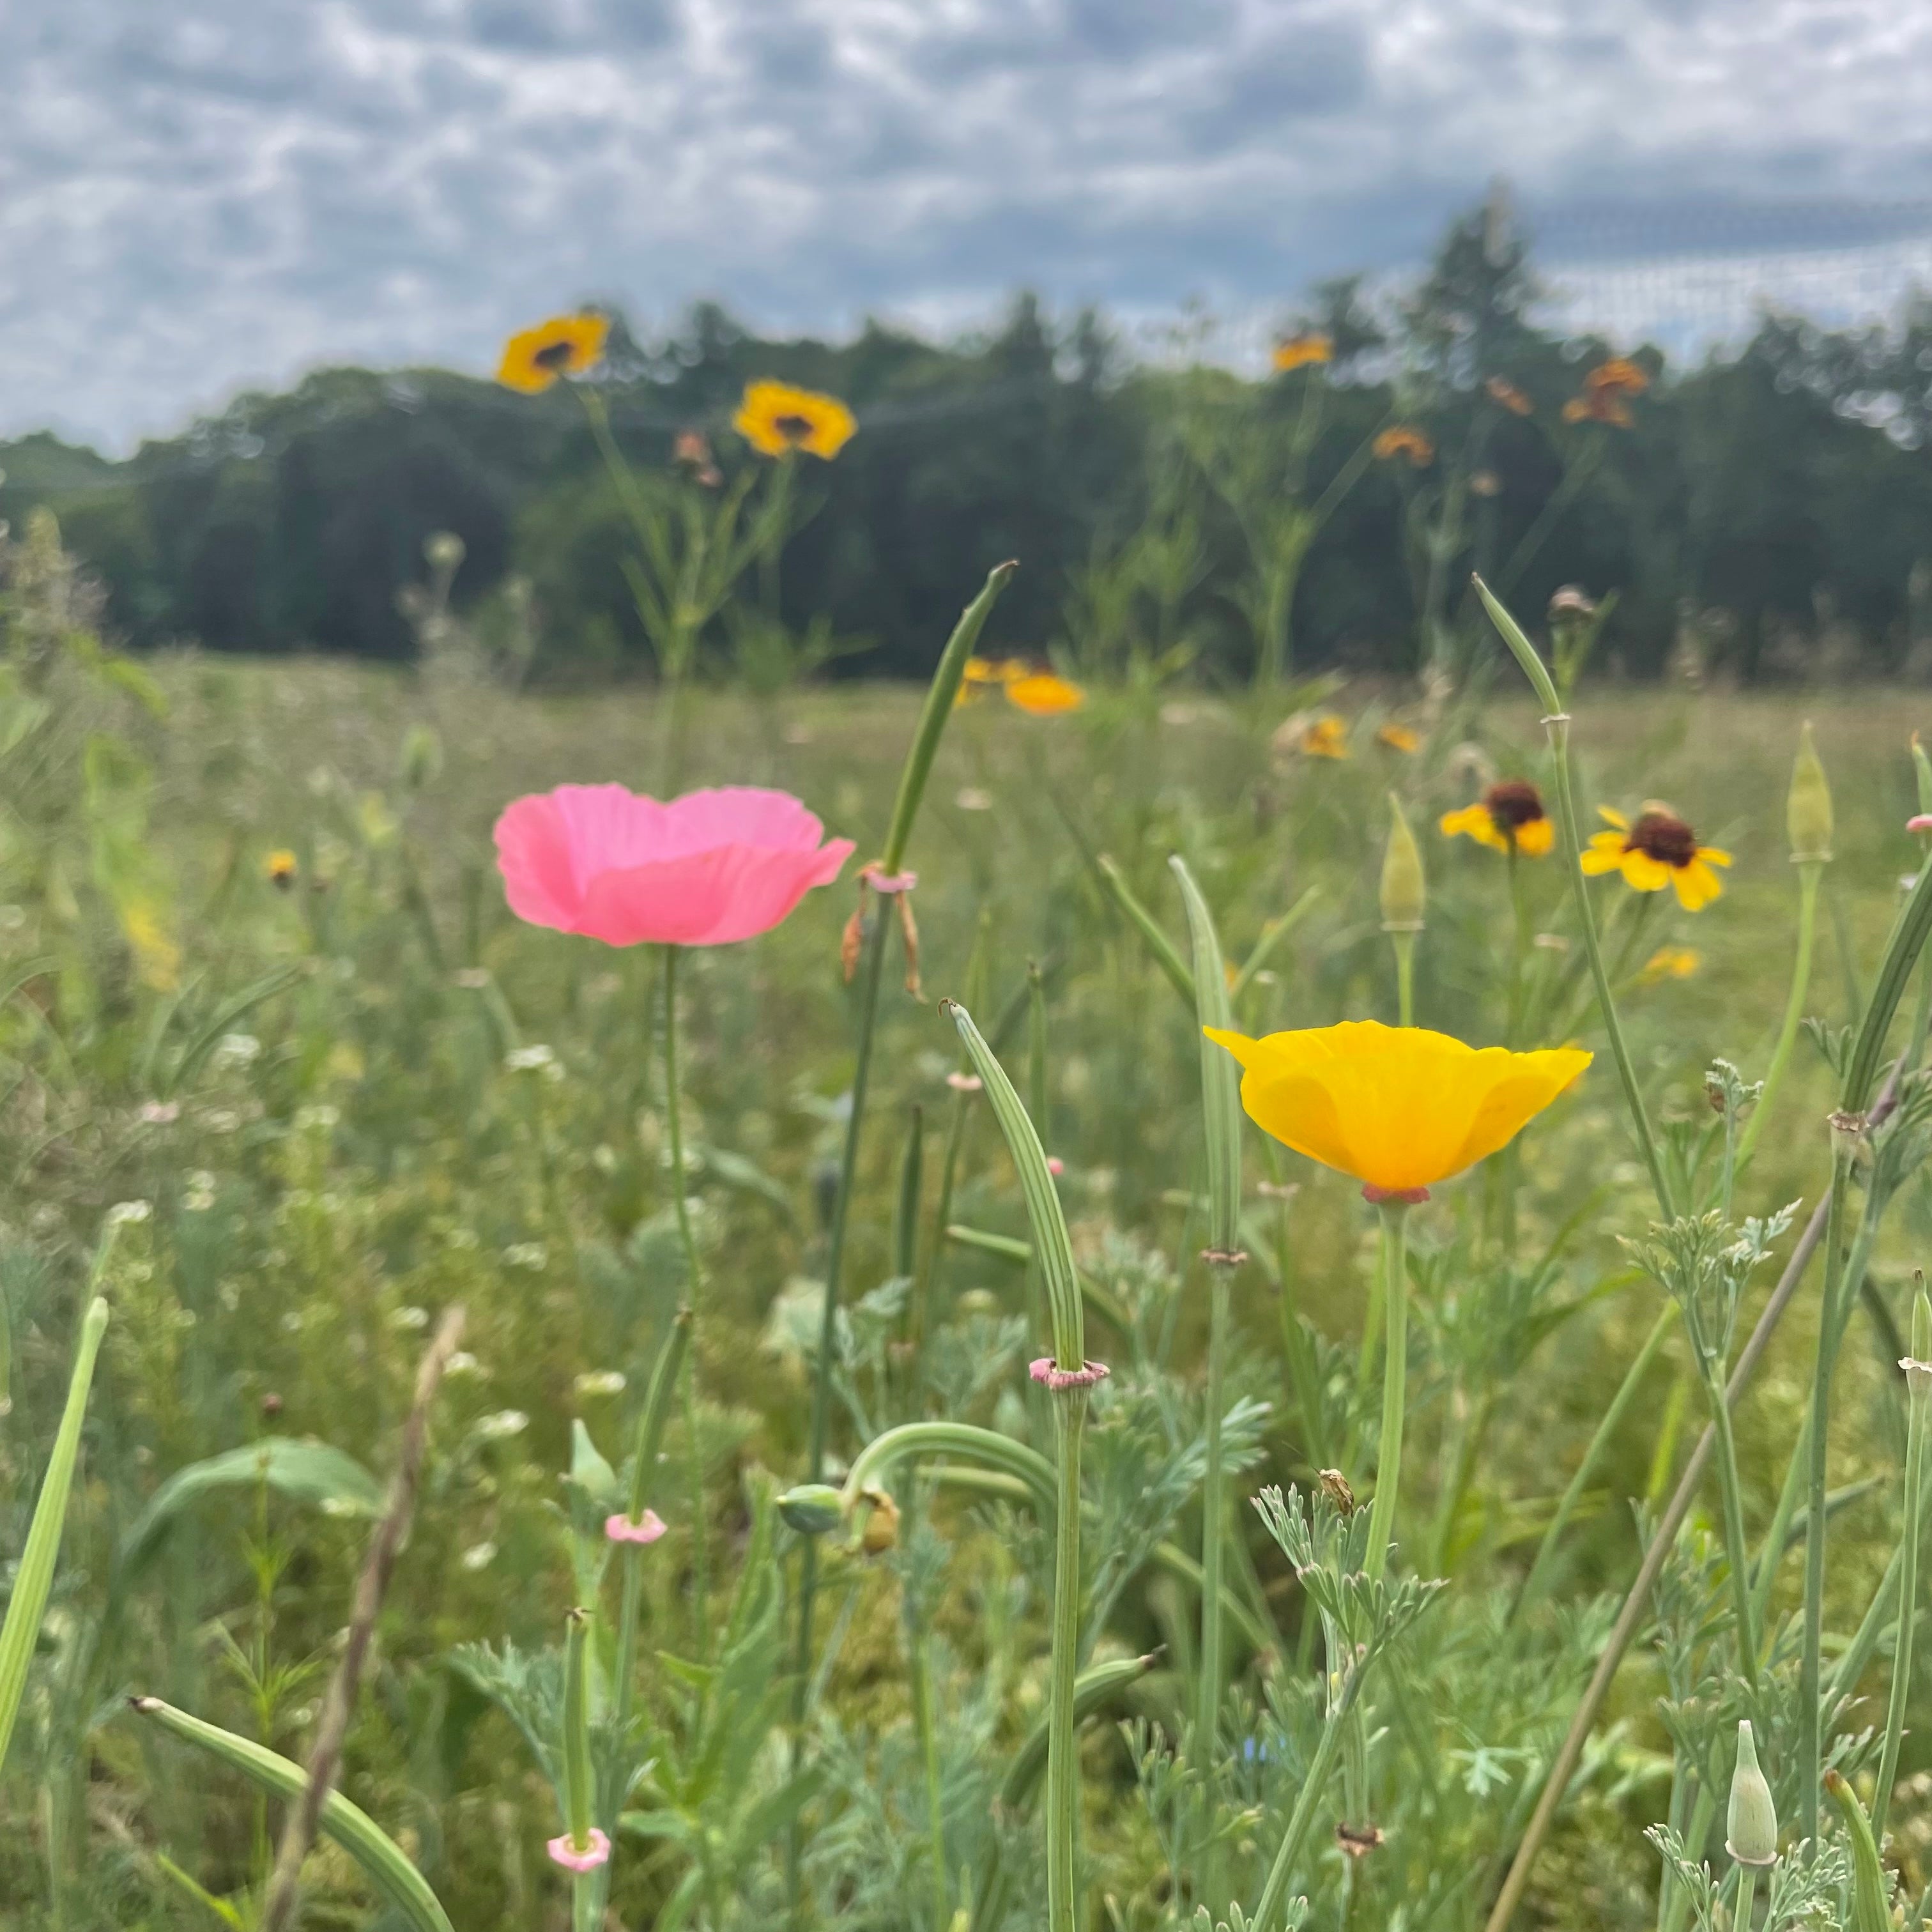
column 1071, row 1295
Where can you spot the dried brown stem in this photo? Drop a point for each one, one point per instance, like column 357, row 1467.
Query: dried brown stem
column 326, row 1758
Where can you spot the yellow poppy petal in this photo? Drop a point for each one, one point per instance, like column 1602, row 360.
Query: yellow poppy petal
column 1536, row 1080
column 1537, row 839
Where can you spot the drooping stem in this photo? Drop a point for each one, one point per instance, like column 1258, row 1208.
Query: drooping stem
column 1809, row 874
column 1063, row 1770
column 700, row 1540
column 1395, row 1371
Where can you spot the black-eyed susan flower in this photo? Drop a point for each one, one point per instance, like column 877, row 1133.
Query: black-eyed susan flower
column 1324, row 737
column 775, row 419
column 1404, row 439
column 1670, row 962
column 1042, row 693
column 1658, row 850
column 1398, row 737
column 279, row 868
column 566, row 345
column 1508, row 818
column 1399, row 1107
column 1503, row 392
column 1310, row 350
column 1618, row 377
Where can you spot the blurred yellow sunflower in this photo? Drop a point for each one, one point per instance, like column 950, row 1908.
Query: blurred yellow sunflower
column 1399, row 737
column 774, row 419
column 1659, row 849
column 566, row 345
column 1670, row 962
column 1040, row 694
column 1403, row 440
column 1324, row 737
column 1508, row 818
column 1309, row 348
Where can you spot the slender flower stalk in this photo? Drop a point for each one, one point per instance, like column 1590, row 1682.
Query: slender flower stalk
column 636, row 1523
column 1403, row 897
column 1918, row 1367
column 1556, row 727
column 1395, row 1371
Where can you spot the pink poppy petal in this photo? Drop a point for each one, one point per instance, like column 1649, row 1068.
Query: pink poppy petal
column 533, row 854
column 739, row 815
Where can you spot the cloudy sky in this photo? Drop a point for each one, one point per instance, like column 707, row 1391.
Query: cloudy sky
column 202, row 194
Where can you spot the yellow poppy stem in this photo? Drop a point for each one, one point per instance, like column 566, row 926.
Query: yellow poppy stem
column 1404, row 943
column 1395, row 1376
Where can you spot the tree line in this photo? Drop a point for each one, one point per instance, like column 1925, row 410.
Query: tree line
column 1768, row 512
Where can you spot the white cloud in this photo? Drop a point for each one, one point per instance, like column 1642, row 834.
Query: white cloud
column 221, row 192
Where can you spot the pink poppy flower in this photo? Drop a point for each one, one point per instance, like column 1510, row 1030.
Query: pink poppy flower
column 704, row 870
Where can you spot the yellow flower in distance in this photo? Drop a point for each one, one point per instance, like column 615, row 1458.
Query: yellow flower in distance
column 774, row 418
column 1325, row 737
column 1040, row 694
column 1509, row 816
column 566, row 345
column 1659, row 849
column 1310, row 350
column 279, row 868
column 1398, row 738
column 1399, row 1107
column 1670, row 962
column 1402, row 440
column 1618, row 377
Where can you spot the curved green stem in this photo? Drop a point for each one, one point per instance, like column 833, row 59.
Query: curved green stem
column 964, row 1439
column 1809, row 873
column 1395, row 1372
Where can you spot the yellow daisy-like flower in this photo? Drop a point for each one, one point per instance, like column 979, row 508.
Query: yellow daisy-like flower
column 1659, row 849
column 1618, row 377
column 1398, row 738
column 1399, row 1107
column 279, row 868
column 1310, row 350
column 1670, row 962
column 1403, row 440
column 1325, row 737
column 774, row 419
column 1040, row 694
column 566, row 345
column 1508, row 816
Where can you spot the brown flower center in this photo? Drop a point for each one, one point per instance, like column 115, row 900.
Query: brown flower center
column 794, row 429
column 1657, row 835
column 553, row 356
column 1513, row 804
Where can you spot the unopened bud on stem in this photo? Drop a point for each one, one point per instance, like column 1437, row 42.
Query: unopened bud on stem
column 1403, row 892
column 1750, row 1826
column 1807, row 805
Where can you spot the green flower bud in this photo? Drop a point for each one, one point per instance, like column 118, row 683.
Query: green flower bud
column 1807, row 806
column 1750, row 1826
column 1404, row 892
column 812, row 1509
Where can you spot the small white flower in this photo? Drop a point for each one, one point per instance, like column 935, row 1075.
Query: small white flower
column 479, row 1556
column 122, row 1212
column 600, row 1381
column 528, row 1059
column 159, row 1113
column 237, row 1049
column 410, row 1318
column 531, row 1255
column 463, row 1363
column 505, row 1422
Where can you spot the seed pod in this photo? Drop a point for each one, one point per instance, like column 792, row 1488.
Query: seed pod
column 1750, row 1826
column 1404, row 892
column 812, row 1509
column 1807, row 805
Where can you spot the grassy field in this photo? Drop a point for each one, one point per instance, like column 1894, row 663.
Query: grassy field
column 355, row 1099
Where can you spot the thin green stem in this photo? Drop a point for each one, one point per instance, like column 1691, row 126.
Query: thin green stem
column 1395, row 1375
column 1612, row 1419
column 1737, row 1549
column 1063, row 1770
column 1741, row 1913
column 1404, row 943
column 1207, row 1706
column 1314, row 1786
column 1908, row 1590
column 700, row 1538
column 1809, row 873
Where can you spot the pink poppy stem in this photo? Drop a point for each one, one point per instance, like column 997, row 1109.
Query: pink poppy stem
column 701, row 1543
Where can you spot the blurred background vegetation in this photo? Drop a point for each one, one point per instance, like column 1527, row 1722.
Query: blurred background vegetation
column 1767, row 515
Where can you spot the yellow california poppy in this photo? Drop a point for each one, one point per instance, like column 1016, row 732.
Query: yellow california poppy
column 1042, row 694
column 1508, row 816
column 1399, row 1107
column 1402, row 440
column 774, row 418
column 1310, row 349
column 1325, row 737
column 1398, row 738
column 566, row 345
column 1659, row 849
column 1670, row 962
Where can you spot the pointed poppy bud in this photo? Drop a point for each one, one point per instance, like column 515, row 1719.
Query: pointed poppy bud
column 1750, row 1826
column 1807, row 805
